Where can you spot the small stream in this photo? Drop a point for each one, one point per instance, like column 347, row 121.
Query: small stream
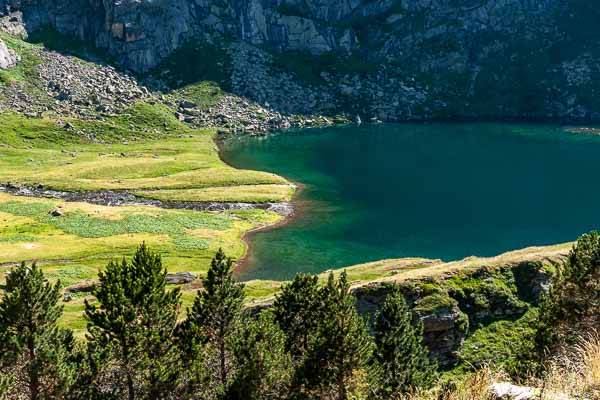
column 126, row 198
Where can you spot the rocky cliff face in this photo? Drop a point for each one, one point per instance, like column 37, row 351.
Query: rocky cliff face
column 387, row 59
column 141, row 33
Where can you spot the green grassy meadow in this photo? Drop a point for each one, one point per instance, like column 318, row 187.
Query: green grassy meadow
column 182, row 160
column 145, row 151
column 72, row 248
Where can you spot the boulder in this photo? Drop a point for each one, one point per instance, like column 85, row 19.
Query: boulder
column 8, row 58
column 508, row 391
column 56, row 213
column 186, row 104
column 82, row 287
column 180, row 278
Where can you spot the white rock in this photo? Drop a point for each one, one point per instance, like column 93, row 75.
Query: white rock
column 508, row 391
column 8, row 58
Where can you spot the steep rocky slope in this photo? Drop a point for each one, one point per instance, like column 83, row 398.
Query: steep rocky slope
column 39, row 80
column 386, row 59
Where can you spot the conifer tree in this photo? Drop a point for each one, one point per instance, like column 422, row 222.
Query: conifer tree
column 400, row 358
column 34, row 352
column 6, row 383
column 297, row 309
column 336, row 362
column 263, row 366
column 214, row 320
column 572, row 305
column 131, row 332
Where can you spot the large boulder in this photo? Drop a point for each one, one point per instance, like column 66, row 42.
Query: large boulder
column 180, row 278
column 8, row 58
column 508, row 391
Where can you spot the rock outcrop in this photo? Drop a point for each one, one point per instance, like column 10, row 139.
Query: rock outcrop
column 452, row 304
column 453, row 299
column 143, row 32
column 8, row 58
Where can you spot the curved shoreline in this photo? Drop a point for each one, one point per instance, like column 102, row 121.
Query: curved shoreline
column 243, row 263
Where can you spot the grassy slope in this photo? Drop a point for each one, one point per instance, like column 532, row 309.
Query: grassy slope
column 145, row 150
column 25, row 71
column 40, row 152
column 77, row 245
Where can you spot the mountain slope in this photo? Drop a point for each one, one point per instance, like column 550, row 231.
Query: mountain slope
column 390, row 60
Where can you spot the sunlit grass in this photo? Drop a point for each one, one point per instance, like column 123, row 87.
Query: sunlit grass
column 242, row 193
column 131, row 156
column 73, row 247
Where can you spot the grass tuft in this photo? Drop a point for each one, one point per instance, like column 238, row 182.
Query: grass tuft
column 190, row 243
column 576, row 372
column 25, row 209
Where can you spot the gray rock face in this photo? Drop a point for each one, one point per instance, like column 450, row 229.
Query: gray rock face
column 8, row 58
column 141, row 33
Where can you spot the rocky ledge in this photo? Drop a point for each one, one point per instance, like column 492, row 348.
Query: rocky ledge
column 452, row 298
column 448, row 306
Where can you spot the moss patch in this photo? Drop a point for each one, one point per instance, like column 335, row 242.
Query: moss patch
column 507, row 345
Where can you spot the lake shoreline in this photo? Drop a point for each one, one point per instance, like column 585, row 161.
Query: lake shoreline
column 243, row 265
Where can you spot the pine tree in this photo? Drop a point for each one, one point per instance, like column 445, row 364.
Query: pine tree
column 401, row 359
column 214, row 320
column 6, row 383
column 336, row 362
column 297, row 309
column 131, row 332
column 34, row 355
column 263, row 366
column 572, row 305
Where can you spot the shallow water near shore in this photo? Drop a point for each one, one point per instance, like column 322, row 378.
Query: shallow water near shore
column 444, row 191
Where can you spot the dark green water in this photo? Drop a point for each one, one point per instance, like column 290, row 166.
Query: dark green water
column 438, row 190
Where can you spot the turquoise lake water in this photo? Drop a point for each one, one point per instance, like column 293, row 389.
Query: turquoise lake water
column 429, row 190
